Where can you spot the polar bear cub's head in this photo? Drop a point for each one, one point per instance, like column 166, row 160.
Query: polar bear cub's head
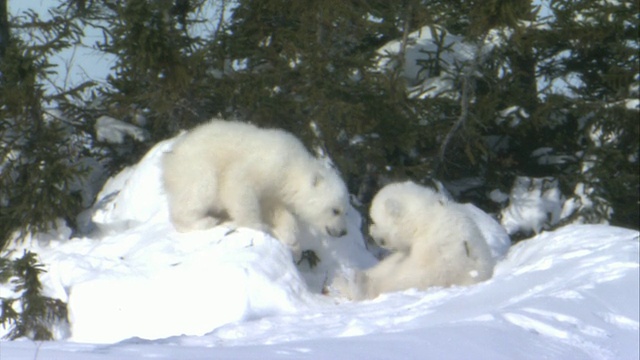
column 326, row 201
column 397, row 209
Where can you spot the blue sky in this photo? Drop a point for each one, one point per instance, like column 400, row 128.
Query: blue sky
column 76, row 64
column 82, row 62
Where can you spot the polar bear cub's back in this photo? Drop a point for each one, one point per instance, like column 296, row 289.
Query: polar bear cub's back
column 225, row 143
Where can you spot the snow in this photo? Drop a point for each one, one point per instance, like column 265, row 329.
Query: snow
column 422, row 52
column 75, row 64
column 265, row 283
column 433, row 55
column 514, row 114
column 136, row 288
column 534, row 204
column 114, row 131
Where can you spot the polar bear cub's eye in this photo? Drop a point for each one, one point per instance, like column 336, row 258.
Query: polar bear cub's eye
column 336, row 211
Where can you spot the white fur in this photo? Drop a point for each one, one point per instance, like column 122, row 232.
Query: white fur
column 258, row 178
column 434, row 243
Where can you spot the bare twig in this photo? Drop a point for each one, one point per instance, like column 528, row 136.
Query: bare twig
column 466, row 96
column 465, row 101
column 221, row 20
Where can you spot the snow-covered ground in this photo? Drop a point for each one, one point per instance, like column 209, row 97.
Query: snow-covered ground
column 138, row 289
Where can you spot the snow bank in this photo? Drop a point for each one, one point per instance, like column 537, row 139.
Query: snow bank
column 568, row 294
column 146, row 290
column 134, row 196
column 135, row 276
column 534, row 204
column 189, row 285
column 577, row 285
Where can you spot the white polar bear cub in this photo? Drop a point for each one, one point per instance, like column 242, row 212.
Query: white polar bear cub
column 434, row 243
column 257, row 178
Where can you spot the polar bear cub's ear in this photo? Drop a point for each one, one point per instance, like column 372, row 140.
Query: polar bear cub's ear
column 393, row 207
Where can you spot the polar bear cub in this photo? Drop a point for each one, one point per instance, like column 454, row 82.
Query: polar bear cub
column 433, row 242
column 263, row 179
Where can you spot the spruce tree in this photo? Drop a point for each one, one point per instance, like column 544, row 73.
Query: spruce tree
column 162, row 65
column 596, row 47
column 567, row 80
column 310, row 68
column 38, row 153
column 37, row 314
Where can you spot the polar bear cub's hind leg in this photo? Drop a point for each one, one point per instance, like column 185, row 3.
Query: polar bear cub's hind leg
column 190, row 196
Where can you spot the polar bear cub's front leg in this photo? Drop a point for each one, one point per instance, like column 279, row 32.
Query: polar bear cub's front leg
column 285, row 228
column 390, row 274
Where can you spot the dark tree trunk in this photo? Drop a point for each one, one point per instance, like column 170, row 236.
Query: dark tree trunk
column 4, row 28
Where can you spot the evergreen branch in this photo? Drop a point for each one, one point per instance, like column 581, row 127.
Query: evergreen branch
column 38, row 313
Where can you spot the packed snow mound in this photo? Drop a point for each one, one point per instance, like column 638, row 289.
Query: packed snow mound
column 135, row 276
column 134, row 196
column 577, row 286
column 190, row 285
column 568, row 294
column 152, row 282
column 138, row 285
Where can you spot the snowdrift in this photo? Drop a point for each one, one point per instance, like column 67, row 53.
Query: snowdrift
column 142, row 288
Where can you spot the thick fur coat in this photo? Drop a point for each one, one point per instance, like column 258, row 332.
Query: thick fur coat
column 433, row 242
column 263, row 179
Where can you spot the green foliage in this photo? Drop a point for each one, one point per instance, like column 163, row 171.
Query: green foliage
column 307, row 67
column 603, row 42
column 36, row 314
column 569, row 80
column 161, row 67
column 38, row 152
column 313, row 69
